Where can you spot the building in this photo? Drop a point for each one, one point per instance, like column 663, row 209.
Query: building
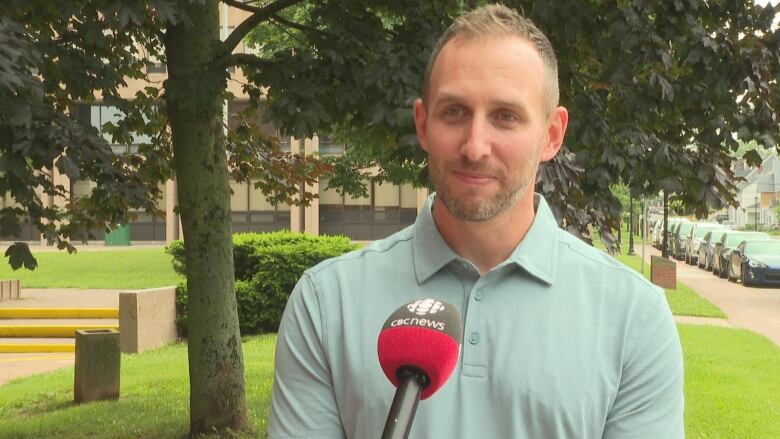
column 758, row 194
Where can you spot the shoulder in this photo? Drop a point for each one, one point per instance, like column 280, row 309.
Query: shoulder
column 575, row 254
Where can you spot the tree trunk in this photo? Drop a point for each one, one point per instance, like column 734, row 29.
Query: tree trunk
column 193, row 93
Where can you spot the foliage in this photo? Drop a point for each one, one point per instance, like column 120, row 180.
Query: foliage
column 49, row 64
column 267, row 267
column 658, row 99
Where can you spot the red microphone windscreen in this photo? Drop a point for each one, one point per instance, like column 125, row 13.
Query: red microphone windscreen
column 425, row 334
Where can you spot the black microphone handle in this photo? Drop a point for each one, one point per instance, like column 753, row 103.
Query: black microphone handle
column 411, row 381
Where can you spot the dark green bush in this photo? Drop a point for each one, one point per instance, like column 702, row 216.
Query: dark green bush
column 267, row 267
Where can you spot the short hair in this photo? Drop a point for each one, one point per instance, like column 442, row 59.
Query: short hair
column 497, row 20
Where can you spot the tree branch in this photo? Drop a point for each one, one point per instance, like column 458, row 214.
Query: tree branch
column 241, row 5
column 300, row 27
column 262, row 14
column 246, row 59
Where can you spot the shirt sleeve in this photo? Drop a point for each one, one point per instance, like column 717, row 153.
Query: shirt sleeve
column 650, row 402
column 303, row 404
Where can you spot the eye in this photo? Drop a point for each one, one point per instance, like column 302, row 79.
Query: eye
column 507, row 117
column 453, row 112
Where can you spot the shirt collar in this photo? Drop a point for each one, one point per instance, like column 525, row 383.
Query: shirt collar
column 536, row 253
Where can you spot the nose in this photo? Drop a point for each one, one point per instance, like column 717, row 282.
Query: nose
column 477, row 145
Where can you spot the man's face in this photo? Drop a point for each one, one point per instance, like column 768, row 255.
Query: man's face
column 484, row 124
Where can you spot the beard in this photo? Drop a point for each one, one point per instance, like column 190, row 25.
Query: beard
column 472, row 207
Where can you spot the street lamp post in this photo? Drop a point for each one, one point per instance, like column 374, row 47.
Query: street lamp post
column 630, row 224
column 756, row 213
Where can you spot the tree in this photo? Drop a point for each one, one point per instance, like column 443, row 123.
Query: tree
column 660, row 95
column 656, row 91
column 58, row 55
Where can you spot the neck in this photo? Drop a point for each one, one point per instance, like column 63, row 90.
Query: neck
column 486, row 244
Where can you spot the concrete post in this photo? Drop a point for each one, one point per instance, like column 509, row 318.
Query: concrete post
column 147, row 318
column 97, row 365
column 171, row 218
column 296, row 225
column 10, row 289
column 312, row 216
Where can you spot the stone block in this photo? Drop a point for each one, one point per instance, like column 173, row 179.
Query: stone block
column 97, row 365
column 10, row 289
column 663, row 272
column 147, row 318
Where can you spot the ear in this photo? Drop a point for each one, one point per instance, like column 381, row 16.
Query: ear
column 556, row 129
column 420, row 122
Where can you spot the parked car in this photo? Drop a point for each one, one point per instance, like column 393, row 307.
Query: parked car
column 655, row 234
column 728, row 242
column 678, row 241
column 704, row 259
column 756, row 262
column 658, row 231
column 695, row 238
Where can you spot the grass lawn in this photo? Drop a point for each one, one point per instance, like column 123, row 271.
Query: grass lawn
column 732, row 383
column 683, row 301
column 154, row 401
column 127, row 269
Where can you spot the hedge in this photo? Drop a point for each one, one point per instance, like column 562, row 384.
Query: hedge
column 267, row 267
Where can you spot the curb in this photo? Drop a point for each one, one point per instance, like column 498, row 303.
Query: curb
column 59, row 331
column 59, row 313
column 36, row 348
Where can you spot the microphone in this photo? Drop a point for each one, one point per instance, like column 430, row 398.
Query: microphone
column 418, row 349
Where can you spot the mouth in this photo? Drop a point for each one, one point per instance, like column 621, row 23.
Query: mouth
column 477, row 178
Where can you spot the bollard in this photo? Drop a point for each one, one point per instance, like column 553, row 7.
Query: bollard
column 97, row 365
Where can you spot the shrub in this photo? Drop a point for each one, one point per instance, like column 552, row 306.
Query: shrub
column 267, row 267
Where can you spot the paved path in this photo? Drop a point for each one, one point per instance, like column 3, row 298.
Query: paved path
column 19, row 365
column 753, row 308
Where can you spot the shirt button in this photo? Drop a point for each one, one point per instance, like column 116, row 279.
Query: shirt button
column 478, row 295
column 474, row 338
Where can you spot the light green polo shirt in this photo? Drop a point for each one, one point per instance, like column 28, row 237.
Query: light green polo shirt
column 560, row 341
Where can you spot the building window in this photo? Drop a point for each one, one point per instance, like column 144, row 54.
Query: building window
column 329, row 146
column 236, row 117
column 155, row 67
column 387, row 209
column 99, row 115
column 251, row 212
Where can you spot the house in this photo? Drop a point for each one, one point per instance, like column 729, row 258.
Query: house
column 758, row 194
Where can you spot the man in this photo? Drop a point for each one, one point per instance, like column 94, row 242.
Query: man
column 559, row 339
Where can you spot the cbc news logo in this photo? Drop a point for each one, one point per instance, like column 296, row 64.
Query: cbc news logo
column 425, row 306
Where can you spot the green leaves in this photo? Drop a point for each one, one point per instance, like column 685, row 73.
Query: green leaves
column 19, row 255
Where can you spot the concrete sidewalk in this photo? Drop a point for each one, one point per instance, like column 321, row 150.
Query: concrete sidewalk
column 753, row 308
column 14, row 366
